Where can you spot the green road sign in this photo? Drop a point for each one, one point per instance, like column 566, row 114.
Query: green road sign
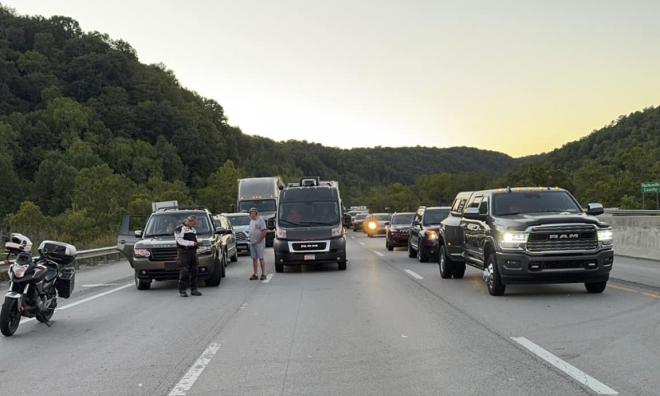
column 651, row 187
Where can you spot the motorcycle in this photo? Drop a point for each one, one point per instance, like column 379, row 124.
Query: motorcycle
column 35, row 283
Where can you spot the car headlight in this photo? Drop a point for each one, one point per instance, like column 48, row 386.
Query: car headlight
column 204, row 249
column 431, row 235
column 513, row 239
column 141, row 253
column 338, row 231
column 605, row 236
column 280, row 233
column 372, row 225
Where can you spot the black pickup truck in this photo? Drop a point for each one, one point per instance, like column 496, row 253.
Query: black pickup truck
column 526, row 235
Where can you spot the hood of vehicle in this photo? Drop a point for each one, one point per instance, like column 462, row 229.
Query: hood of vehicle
column 309, row 233
column 522, row 221
column 244, row 228
column 163, row 242
column 433, row 227
column 399, row 227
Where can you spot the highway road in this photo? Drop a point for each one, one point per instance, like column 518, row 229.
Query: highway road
column 386, row 326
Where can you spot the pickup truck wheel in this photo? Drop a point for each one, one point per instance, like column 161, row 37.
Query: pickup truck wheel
column 142, row 284
column 422, row 254
column 492, row 277
column 459, row 269
column 411, row 252
column 446, row 266
column 597, row 287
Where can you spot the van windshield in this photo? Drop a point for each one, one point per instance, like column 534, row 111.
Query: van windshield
column 163, row 224
column 308, row 214
column 262, row 205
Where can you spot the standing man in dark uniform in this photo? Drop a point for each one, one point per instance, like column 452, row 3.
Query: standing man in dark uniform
column 186, row 243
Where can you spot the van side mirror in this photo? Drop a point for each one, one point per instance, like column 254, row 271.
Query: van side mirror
column 595, row 209
column 473, row 214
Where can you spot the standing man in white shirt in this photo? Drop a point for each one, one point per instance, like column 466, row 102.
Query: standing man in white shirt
column 258, row 232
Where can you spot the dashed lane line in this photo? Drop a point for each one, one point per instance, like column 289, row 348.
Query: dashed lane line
column 190, row 377
column 570, row 370
column 378, row 253
column 268, row 278
column 414, row 274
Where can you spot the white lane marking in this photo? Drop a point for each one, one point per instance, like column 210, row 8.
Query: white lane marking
column 190, row 377
column 268, row 278
column 100, row 284
column 362, row 243
column 378, row 253
column 567, row 368
column 84, row 300
column 414, row 274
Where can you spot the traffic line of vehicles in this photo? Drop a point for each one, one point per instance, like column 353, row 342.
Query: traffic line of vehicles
column 512, row 235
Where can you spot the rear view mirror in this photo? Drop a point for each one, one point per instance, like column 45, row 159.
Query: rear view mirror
column 595, row 209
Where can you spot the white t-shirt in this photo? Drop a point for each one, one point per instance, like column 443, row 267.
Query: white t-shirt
column 256, row 227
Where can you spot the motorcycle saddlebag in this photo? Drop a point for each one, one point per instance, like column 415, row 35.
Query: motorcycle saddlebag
column 65, row 282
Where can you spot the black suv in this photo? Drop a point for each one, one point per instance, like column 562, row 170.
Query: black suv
column 423, row 240
column 398, row 231
column 527, row 235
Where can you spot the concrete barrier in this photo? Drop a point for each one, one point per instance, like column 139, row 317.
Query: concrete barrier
column 636, row 236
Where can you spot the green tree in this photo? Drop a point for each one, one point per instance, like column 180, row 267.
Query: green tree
column 53, row 185
column 29, row 220
column 221, row 189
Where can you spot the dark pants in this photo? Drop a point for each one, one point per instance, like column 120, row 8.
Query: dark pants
column 187, row 260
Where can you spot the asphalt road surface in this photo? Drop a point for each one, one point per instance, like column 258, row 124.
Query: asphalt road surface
column 388, row 325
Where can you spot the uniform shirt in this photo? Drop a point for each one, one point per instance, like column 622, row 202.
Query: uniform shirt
column 256, row 227
column 185, row 236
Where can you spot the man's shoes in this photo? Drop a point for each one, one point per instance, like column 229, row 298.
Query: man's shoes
column 263, row 277
column 254, row 277
column 183, row 294
column 195, row 293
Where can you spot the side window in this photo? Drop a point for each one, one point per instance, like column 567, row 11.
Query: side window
column 454, row 206
column 483, row 207
column 474, row 202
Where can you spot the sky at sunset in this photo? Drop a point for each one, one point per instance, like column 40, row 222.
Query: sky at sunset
column 521, row 77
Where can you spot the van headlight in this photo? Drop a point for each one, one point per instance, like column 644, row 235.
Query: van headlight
column 338, row 231
column 605, row 236
column 280, row 233
column 513, row 239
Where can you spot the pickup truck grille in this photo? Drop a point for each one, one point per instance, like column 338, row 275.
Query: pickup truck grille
column 562, row 238
column 163, row 254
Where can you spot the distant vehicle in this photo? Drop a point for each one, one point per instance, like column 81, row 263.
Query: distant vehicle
column 225, row 229
column 423, row 241
column 358, row 220
column 528, row 235
column 262, row 193
column 376, row 224
column 309, row 226
column 398, row 231
column 241, row 225
column 152, row 252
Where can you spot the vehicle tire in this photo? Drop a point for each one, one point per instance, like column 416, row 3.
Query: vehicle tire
column 45, row 318
column 224, row 264
column 142, row 284
column 412, row 253
column 493, row 281
column 370, row 235
column 444, row 263
column 279, row 267
column 388, row 245
column 215, row 277
column 459, row 269
column 596, row 287
column 341, row 265
column 422, row 255
column 234, row 258
column 10, row 317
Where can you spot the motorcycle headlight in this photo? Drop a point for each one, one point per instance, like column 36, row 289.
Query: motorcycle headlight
column 605, row 236
column 19, row 271
column 338, row 231
column 280, row 233
column 513, row 239
column 141, row 253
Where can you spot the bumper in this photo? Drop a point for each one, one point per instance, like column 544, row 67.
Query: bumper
column 398, row 239
column 430, row 246
column 169, row 270
column 242, row 246
column 524, row 268
column 336, row 253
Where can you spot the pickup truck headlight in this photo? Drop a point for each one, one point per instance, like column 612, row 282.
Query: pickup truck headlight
column 605, row 236
column 431, row 235
column 513, row 239
column 141, row 253
column 338, row 231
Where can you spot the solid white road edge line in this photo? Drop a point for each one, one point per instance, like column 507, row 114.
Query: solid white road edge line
column 378, row 253
column 84, row 300
column 268, row 278
column 567, row 368
column 414, row 274
column 190, row 377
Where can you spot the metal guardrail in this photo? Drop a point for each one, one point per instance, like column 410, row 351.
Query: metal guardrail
column 91, row 254
column 632, row 212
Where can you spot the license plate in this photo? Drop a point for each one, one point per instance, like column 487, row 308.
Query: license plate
column 310, row 257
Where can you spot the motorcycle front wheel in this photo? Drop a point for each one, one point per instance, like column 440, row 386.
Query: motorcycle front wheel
column 10, row 317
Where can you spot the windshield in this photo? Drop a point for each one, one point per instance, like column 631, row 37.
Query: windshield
column 403, row 219
column 163, row 224
column 513, row 203
column 306, row 214
column 265, row 205
column 239, row 220
column 381, row 217
column 435, row 216
column 360, row 216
